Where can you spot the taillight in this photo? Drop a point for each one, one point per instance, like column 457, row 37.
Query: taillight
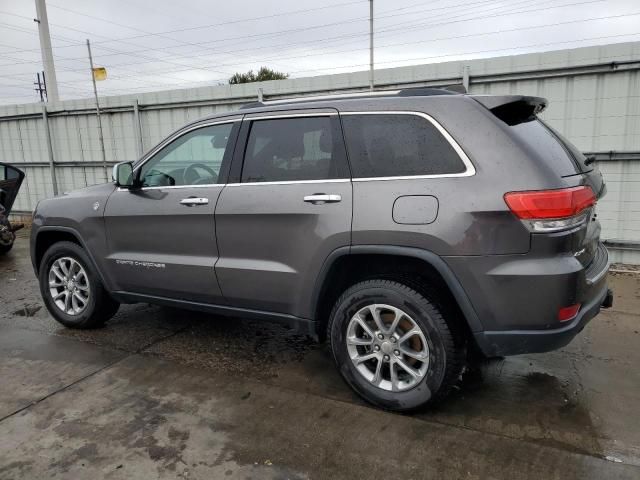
column 552, row 210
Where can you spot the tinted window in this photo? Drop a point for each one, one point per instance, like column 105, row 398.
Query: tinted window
column 8, row 173
column 576, row 154
column 192, row 159
column 289, row 149
column 391, row 145
column 539, row 138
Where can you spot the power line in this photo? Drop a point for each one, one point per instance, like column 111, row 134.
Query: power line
column 212, row 25
column 510, row 30
column 138, row 74
column 155, row 59
column 110, row 49
column 289, row 57
column 191, row 67
column 276, row 33
column 457, row 54
column 305, row 29
column 470, row 53
column 403, row 28
column 393, row 28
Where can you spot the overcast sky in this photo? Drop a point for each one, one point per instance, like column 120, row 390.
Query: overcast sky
column 151, row 45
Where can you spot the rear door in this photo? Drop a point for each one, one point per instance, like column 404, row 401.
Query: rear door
column 161, row 237
column 287, row 206
column 10, row 181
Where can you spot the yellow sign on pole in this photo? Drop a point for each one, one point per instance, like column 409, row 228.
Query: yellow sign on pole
column 99, row 73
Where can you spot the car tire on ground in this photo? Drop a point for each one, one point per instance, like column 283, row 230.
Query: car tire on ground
column 393, row 346
column 5, row 248
column 71, row 288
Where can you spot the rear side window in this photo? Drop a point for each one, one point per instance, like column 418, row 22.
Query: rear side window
column 392, row 145
column 559, row 153
column 293, row 149
column 572, row 150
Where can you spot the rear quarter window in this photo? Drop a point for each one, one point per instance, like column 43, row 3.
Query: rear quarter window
column 392, row 145
column 562, row 156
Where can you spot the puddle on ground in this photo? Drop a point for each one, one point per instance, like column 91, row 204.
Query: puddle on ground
column 28, row 310
column 520, row 399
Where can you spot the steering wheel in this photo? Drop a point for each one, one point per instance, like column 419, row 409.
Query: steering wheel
column 191, row 176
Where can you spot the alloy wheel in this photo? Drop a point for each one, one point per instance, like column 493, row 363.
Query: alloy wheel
column 387, row 347
column 69, row 286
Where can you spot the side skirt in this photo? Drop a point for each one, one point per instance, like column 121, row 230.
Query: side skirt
column 301, row 325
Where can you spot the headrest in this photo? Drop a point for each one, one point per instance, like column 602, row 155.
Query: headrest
column 289, row 145
column 326, row 141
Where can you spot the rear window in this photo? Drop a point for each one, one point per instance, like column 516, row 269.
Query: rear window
column 561, row 155
column 392, row 145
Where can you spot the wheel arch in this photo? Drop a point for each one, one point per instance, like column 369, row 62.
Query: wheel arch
column 348, row 265
column 50, row 235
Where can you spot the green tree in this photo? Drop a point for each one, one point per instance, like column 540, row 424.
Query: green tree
column 263, row 74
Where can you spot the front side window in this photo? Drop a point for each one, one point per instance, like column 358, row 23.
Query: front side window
column 194, row 158
column 393, row 145
column 291, row 149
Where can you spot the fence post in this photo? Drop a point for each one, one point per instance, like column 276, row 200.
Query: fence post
column 52, row 167
column 465, row 77
column 138, row 126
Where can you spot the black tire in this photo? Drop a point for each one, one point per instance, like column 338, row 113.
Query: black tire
column 100, row 307
column 5, row 248
column 446, row 344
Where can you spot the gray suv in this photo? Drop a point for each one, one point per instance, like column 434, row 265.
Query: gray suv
column 408, row 228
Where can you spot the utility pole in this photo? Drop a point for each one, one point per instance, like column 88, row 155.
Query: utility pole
column 45, row 48
column 371, row 45
column 95, row 92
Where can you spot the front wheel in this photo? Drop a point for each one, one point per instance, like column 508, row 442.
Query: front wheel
column 393, row 346
column 71, row 288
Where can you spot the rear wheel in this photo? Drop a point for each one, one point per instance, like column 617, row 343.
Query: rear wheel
column 71, row 288
column 393, row 346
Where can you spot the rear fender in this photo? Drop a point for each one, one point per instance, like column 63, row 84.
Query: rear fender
column 431, row 258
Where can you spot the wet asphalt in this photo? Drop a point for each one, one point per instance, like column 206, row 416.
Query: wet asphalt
column 164, row 393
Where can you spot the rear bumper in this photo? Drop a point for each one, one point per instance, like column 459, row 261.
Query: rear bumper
column 515, row 342
column 518, row 297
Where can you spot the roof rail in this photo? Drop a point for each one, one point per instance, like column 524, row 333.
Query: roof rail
column 405, row 92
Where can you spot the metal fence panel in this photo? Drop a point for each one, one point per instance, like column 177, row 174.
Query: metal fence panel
column 594, row 95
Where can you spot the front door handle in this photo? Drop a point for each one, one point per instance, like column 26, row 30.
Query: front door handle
column 192, row 201
column 318, row 198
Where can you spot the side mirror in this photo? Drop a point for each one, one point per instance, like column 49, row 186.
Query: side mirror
column 123, row 175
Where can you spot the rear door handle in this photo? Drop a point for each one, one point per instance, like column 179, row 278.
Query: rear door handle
column 192, row 201
column 323, row 198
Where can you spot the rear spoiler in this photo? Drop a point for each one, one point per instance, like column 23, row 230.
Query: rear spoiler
column 513, row 109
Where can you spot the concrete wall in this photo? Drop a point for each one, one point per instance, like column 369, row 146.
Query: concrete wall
column 594, row 95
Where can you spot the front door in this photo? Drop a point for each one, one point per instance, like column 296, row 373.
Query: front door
column 287, row 210
column 161, row 237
